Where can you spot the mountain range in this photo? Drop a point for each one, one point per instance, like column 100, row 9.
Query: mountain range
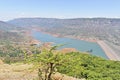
column 107, row 29
column 100, row 28
column 84, row 27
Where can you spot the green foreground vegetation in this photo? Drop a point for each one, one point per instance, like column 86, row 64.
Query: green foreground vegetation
column 90, row 67
column 76, row 64
column 48, row 60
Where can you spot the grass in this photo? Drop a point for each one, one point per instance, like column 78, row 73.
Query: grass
column 16, row 72
column 22, row 71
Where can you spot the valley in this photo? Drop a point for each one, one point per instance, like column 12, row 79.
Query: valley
column 87, row 29
column 89, row 43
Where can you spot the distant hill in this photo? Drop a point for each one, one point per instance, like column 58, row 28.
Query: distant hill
column 6, row 26
column 107, row 29
column 9, row 32
column 35, row 22
column 77, row 22
column 78, row 27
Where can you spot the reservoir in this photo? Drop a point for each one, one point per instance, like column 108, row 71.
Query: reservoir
column 71, row 43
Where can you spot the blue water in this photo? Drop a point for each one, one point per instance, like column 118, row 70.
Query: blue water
column 71, row 43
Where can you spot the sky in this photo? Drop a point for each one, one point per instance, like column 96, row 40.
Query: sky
column 10, row 9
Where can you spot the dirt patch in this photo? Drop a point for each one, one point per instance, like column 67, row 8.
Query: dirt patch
column 68, row 50
column 1, row 62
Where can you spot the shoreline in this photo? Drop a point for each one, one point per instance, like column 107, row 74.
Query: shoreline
column 32, row 41
column 65, row 36
column 108, row 51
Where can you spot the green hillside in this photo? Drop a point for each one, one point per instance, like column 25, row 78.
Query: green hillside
column 75, row 64
column 90, row 67
column 10, row 33
column 107, row 29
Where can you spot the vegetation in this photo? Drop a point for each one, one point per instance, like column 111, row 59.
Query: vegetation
column 11, row 46
column 80, row 28
column 11, row 42
column 11, row 33
column 6, row 37
column 18, row 71
column 74, row 64
column 48, row 61
column 90, row 67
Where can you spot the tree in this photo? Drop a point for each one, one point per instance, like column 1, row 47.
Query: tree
column 47, row 62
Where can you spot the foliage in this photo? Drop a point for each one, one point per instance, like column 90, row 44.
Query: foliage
column 90, row 67
column 77, row 28
column 50, row 61
column 74, row 64
column 12, row 53
column 46, row 62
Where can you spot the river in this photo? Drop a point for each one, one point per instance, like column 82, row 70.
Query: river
column 71, row 43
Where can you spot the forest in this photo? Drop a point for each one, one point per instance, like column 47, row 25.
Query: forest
column 48, row 61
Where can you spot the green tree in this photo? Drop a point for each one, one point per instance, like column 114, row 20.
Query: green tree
column 47, row 62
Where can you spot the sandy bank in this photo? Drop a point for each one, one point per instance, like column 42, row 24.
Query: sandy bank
column 108, row 51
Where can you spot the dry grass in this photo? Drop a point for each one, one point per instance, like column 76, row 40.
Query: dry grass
column 23, row 72
column 16, row 72
column 59, row 76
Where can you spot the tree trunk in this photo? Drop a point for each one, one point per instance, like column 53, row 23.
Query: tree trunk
column 46, row 71
column 51, row 71
column 39, row 74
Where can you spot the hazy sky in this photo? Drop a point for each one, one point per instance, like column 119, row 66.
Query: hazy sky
column 10, row 9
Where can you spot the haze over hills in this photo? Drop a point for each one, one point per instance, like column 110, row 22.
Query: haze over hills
column 87, row 27
column 36, row 22
column 9, row 32
column 107, row 29
column 6, row 26
column 91, row 29
column 60, row 40
column 82, row 66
